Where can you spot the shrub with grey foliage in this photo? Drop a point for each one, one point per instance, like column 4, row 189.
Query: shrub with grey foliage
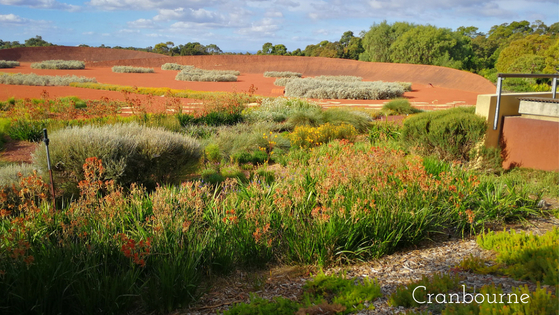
column 59, row 64
column 8, row 64
column 195, row 74
column 10, row 174
column 175, row 66
column 130, row 153
column 328, row 89
column 282, row 74
column 281, row 109
column 42, row 80
column 347, row 78
column 282, row 81
column 129, row 69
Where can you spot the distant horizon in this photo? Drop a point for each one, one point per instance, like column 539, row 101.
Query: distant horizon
column 244, row 26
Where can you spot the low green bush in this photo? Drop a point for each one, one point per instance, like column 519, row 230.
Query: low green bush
column 400, row 106
column 539, row 302
column 8, row 64
column 282, row 74
column 332, row 89
column 438, row 283
column 174, row 66
column 129, row 69
column 59, row 64
column 195, row 74
column 281, row 109
column 337, row 116
column 26, row 130
column 383, row 131
column 41, row 80
column 525, row 256
column 449, row 134
column 130, row 154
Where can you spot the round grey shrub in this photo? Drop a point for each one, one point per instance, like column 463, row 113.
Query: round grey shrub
column 195, row 74
column 332, row 89
column 42, row 80
column 282, row 74
column 282, row 81
column 130, row 153
column 8, row 64
column 129, row 69
column 347, row 78
column 174, row 66
column 59, row 64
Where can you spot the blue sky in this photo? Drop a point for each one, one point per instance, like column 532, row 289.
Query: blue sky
column 242, row 26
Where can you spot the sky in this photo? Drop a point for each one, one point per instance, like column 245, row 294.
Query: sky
column 244, row 26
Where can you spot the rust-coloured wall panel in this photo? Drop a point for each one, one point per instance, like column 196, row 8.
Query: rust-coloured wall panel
column 530, row 143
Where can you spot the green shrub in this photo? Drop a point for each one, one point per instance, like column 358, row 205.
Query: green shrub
column 8, row 64
column 338, row 116
column 400, row 106
column 382, row 131
column 174, row 66
column 41, row 80
column 129, row 69
column 212, row 176
column 195, row 74
column 59, row 64
column 332, row 89
column 525, row 256
column 26, row 130
column 130, row 154
column 438, row 283
column 449, row 134
column 233, row 171
column 212, row 153
column 282, row 74
column 539, row 302
column 307, row 118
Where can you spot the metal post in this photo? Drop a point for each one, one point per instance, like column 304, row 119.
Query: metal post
column 46, row 140
column 554, row 87
column 499, row 92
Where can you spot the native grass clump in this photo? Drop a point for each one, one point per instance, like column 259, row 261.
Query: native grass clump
column 332, row 89
column 282, row 74
column 41, row 80
column 175, row 66
column 129, row 69
column 8, row 64
column 59, row 64
column 196, row 74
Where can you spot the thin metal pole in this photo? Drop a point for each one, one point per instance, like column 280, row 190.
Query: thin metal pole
column 499, row 92
column 46, row 140
column 554, row 87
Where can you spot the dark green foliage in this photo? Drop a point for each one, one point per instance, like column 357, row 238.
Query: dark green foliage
column 400, row 106
column 212, row 176
column 27, row 130
column 384, row 131
column 260, row 306
column 449, row 134
column 213, row 118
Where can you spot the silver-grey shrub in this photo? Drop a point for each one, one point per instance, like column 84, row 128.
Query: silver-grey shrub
column 282, row 74
column 174, row 66
column 130, row 153
column 407, row 86
column 328, row 89
column 42, row 80
column 9, row 174
column 129, row 69
column 282, row 81
column 8, row 64
column 59, row 64
column 195, row 74
column 347, row 78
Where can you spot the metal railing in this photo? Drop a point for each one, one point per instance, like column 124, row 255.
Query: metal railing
column 502, row 76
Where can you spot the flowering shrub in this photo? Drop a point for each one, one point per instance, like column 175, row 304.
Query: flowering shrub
column 307, row 137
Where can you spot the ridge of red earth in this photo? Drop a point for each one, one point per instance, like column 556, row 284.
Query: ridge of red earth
column 433, row 87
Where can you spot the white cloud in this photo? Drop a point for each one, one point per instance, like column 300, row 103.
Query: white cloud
column 141, row 23
column 267, row 27
column 41, row 4
column 152, row 4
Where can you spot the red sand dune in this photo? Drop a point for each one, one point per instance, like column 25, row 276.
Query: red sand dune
column 449, row 87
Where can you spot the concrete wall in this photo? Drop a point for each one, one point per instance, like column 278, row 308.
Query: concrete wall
column 509, row 106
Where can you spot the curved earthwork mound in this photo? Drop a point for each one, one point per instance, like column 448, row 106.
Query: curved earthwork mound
column 432, row 86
